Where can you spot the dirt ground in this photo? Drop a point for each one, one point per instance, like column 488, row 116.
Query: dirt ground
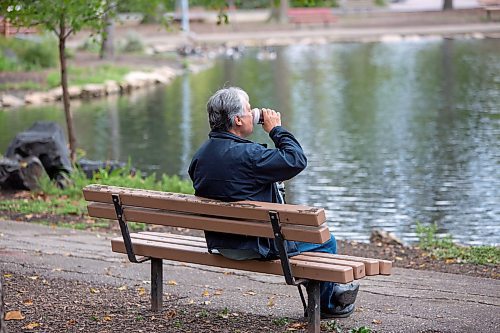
column 127, row 309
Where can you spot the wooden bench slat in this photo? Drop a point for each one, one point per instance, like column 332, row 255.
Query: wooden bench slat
column 199, row 255
column 357, row 267
column 200, row 242
column 167, row 234
column 247, row 210
column 316, row 235
column 372, row 266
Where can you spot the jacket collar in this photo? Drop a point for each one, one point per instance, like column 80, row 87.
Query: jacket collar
column 227, row 135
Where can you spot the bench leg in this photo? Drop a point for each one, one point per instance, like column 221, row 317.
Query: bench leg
column 313, row 306
column 156, row 284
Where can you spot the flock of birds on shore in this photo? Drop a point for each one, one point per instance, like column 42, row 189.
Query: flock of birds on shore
column 232, row 52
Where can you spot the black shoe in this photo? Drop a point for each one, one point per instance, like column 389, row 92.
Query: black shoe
column 338, row 312
column 345, row 294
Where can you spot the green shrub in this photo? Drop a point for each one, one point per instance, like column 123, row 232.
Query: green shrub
column 43, row 54
column 91, row 44
column 133, row 43
column 18, row 54
column 70, row 199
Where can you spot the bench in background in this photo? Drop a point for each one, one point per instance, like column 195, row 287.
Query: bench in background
column 290, row 222
column 311, row 16
column 490, row 6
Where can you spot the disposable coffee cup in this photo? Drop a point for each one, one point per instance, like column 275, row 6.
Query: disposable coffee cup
column 258, row 116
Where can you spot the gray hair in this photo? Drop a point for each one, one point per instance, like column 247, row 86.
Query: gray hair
column 223, row 106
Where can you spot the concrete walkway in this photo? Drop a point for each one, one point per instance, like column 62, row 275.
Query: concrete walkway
column 407, row 301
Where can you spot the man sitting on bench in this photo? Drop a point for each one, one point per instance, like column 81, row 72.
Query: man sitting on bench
column 229, row 167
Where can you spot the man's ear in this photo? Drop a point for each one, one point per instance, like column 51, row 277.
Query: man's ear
column 237, row 121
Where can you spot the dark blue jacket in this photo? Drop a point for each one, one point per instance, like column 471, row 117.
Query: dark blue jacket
column 230, row 168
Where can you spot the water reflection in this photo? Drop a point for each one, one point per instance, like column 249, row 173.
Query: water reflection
column 394, row 133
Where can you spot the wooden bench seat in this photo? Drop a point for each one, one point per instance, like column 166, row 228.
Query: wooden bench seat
column 290, row 222
column 490, row 9
column 490, row 6
column 311, row 15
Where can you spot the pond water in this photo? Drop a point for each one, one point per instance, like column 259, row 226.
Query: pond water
column 394, row 132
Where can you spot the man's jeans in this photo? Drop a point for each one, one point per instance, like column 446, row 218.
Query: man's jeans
column 326, row 288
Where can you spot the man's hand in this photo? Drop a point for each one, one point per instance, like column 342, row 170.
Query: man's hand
column 271, row 119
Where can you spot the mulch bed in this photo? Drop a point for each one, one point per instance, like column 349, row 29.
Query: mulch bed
column 58, row 305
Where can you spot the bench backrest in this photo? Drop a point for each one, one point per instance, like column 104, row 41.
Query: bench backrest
column 299, row 223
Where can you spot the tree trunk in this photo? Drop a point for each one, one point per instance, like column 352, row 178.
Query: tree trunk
column 283, row 16
column 107, row 39
column 448, row 5
column 107, row 50
column 65, row 94
column 3, row 329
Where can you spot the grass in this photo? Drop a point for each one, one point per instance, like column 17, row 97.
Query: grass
column 446, row 249
column 25, row 85
column 79, row 76
column 52, row 200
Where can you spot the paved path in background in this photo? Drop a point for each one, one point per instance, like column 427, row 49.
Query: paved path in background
column 423, row 5
column 407, row 301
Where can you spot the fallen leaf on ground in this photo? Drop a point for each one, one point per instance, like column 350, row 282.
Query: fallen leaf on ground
column 450, row 261
column 106, row 318
column 7, row 276
column 122, row 288
column 170, row 314
column 28, row 302
column 376, row 321
column 141, row 291
column 249, row 293
column 271, row 302
column 206, row 293
column 218, row 292
column 171, row 282
column 14, row 315
column 94, row 291
column 71, row 322
column 31, row 326
column 34, row 277
column 298, row 325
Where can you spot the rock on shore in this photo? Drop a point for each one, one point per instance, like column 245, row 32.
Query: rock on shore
column 133, row 80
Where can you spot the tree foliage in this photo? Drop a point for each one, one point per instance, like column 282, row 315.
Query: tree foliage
column 73, row 14
column 63, row 17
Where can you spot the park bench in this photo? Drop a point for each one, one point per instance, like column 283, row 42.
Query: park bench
column 290, row 222
column 7, row 29
column 490, row 6
column 311, row 15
